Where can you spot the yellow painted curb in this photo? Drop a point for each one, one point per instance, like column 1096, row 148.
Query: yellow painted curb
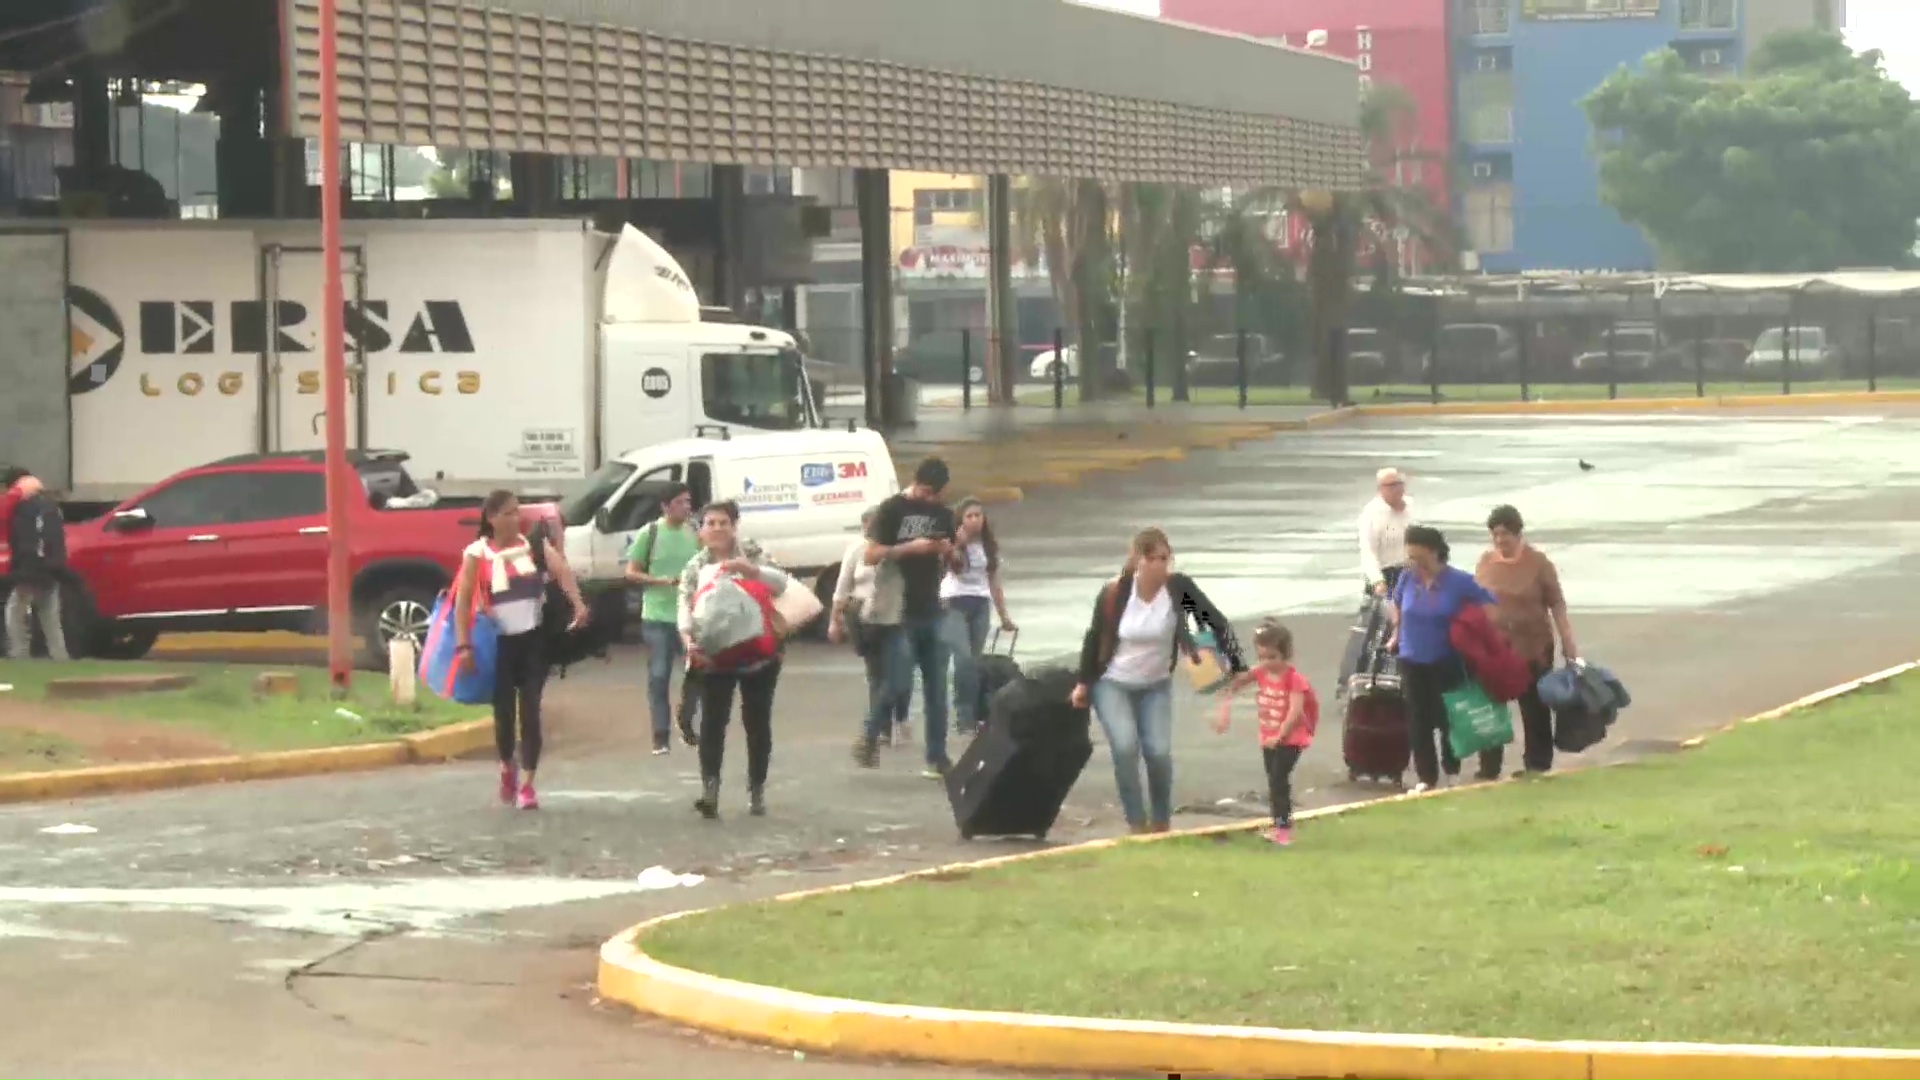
column 454, row 740
column 221, row 641
column 1003, row 494
column 449, row 742
column 1105, row 1047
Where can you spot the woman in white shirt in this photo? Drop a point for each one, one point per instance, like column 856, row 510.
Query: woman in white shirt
column 866, row 610
column 1138, row 631
column 502, row 572
column 971, row 593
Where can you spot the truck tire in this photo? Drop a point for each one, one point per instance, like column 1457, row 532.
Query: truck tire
column 398, row 611
column 607, row 609
column 823, row 589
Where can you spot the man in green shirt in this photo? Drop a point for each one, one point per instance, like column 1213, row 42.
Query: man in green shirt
column 654, row 562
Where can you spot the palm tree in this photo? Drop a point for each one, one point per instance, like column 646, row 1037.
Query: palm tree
column 1382, row 208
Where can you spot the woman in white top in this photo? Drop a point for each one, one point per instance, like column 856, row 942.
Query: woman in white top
column 1139, row 628
column 971, row 593
column 511, row 579
column 866, row 610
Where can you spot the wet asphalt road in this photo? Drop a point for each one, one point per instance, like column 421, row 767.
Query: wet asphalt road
column 1720, row 564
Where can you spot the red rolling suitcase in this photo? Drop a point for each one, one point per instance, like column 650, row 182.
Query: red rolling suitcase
column 1374, row 737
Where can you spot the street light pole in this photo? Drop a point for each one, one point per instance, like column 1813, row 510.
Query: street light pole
column 333, row 348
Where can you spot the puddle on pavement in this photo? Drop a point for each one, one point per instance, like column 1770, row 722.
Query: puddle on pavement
column 334, row 910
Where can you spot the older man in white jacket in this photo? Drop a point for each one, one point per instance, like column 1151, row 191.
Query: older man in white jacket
column 1383, row 531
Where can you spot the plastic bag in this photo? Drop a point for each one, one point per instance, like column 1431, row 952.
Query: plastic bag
column 733, row 622
column 1475, row 722
column 439, row 668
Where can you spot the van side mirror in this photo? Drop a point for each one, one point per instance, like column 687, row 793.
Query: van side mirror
column 603, row 520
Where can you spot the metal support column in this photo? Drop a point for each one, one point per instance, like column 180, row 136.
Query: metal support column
column 1002, row 305
column 872, row 193
column 729, row 246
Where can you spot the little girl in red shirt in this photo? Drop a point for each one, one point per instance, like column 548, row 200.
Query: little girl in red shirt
column 1289, row 713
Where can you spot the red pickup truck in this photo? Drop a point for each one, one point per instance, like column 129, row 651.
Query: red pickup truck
column 241, row 545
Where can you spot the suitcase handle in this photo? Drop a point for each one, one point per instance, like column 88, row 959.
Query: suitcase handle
column 1013, row 642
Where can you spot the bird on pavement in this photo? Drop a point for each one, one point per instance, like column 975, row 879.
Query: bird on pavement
column 1586, row 466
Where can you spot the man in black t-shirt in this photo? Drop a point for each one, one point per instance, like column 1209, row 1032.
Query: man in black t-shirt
column 913, row 531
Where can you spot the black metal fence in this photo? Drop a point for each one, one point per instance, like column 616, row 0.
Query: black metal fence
column 1426, row 348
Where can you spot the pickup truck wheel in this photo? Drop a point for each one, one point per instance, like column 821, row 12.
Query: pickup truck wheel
column 112, row 642
column 400, row 612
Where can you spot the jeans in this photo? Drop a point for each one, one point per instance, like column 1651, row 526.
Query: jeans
column 29, row 602
column 520, row 678
column 881, row 647
column 1423, row 686
column 1280, row 761
column 967, row 620
column 923, row 645
column 1138, row 721
column 1536, row 721
column 665, row 651
column 756, row 717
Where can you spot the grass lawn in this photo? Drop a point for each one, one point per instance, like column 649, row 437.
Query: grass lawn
column 224, row 706
column 1370, row 395
column 1760, row 889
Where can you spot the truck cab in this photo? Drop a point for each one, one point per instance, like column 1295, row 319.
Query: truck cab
column 801, row 496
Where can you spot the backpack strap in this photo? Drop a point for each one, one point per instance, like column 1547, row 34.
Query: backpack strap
column 653, row 537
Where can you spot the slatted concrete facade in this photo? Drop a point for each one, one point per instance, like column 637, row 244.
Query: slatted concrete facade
column 494, row 74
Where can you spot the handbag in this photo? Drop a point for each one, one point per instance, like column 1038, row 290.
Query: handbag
column 794, row 608
column 1475, row 722
column 1203, row 666
column 440, row 670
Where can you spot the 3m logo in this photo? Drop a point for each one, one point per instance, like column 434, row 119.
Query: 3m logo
column 853, row 470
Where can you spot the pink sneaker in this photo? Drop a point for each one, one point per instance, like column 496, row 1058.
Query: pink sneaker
column 509, row 782
column 528, row 800
column 1280, row 836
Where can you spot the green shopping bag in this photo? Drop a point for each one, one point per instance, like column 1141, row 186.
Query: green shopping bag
column 1475, row 722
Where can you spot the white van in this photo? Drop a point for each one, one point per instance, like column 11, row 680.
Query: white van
column 801, row 495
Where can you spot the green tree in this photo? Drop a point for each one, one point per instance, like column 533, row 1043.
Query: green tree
column 1807, row 162
column 1381, row 210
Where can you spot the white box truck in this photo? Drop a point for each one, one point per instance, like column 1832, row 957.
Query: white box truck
column 497, row 353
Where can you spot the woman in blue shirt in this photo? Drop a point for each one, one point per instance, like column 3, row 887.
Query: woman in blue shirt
column 1425, row 601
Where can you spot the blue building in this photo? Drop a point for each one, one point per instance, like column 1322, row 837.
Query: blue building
column 1530, row 191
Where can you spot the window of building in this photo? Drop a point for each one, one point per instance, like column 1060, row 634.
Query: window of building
column 1488, row 16
column 1486, row 106
column 1708, row 14
column 1487, row 206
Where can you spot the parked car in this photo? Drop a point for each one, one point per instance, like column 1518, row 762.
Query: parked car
column 1475, row 352
column 1067, row 360
column 1369, row 356
column 1217, row 362
column 1809, row 351
column 241, row 545
column 936, row 357
column 1636, row 352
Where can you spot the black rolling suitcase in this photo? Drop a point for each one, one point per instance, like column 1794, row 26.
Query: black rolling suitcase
column 1016, row 773
column 996, row 670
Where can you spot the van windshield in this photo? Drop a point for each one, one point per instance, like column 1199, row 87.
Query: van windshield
column 764, row 390
column 579, row 507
